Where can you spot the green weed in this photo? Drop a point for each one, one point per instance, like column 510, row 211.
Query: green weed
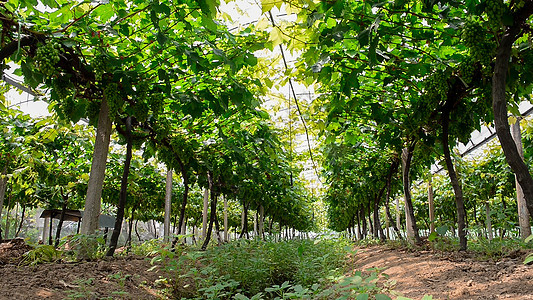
column 41, row 254
column 255, row 269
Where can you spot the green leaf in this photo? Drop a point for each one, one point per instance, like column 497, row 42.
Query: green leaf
column 529, row 259
column 161, row 8
column 432, row 236
column 250, row 59
column 124, row 29
column 209, row 24
column 276, row 37
column 441, row 230
column 351, row 81
column 161, row 38
column 105, row 12
column 163, row 76
column 209, row 7
column 267, row 5
column 382, row 297
column 363, row 296
column 300, row 250
column 240, row 296
column 529, row 239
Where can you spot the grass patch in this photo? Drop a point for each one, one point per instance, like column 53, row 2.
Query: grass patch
column 256, row 269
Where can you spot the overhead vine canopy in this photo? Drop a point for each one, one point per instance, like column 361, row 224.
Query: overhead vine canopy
column 399, row 84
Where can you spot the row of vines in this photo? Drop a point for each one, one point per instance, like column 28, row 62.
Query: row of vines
column 168, row 83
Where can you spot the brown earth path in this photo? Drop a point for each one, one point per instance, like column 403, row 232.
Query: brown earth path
column 127, row 277
column 449, row 275
column 114, row 279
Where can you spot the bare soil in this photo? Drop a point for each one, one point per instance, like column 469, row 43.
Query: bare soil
column 414, row 274
column 456, row 275
column 117, row 278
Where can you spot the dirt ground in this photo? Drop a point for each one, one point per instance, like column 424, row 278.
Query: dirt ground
column 117, row 278
column 450, row 275
column 442, row 275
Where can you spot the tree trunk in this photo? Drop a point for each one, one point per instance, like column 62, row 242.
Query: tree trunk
column 499, row 102
column 488, row 220
column 457, row 189
column 168, row 205
column 50, row 226
column 244, row 221
column 375, row 218
column 261, row 221
column 137, row 231
column 15, row 221
column 123, row 192
column 184, row 226
column 411, row 228
column 61, row 219
column 212, row 214
column 363, row 221
column 431, row 206
column 217, row 228
column 523, row 214
column 255, row 224
column 204, row 213
column 185, row 198
column 6, row 233
column 378, row 230
column 393, row 168
column 504, row 204
column 370, row 223
column 46, row 225
column 392, row 223
column 156, row 231
column 174, row 223
column 130, row 229
column 398, row 216
column 21, row 220
column 96, row 180
column 226, row 238
column 3, row 188
column 194, row 234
